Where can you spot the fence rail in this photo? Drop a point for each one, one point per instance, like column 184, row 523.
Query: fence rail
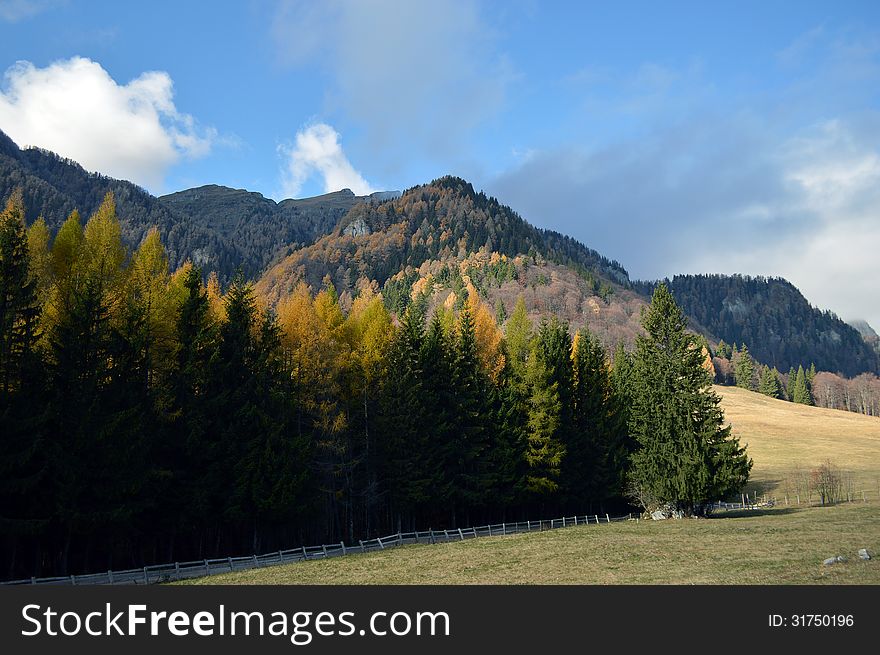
column 201, row 568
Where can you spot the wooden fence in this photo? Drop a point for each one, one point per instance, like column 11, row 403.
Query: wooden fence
column 200, row 568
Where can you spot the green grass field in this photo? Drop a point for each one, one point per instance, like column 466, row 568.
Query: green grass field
column 778, row 546
column 783, row 545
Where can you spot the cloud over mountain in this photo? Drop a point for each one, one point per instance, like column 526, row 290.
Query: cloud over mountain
column 74, row 107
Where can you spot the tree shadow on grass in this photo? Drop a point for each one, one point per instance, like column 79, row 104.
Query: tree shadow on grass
column 757, row 511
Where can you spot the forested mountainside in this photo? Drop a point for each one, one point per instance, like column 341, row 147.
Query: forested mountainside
column 779, row 326
column 220, row 229
column 259, row 229
column 868, row 334
column 53, row 187
column 395, row 239
column 437, row 221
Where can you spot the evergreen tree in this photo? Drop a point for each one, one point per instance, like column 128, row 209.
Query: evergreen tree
column 686, row 457
column 404, row 442
column 549, row 380
column 466, row 455
column 500, row 312
column 800, row 391
column 19, row 308
column 595, row 447
column 790, row 381
column 22, row 414
column 724, row 350
column 744, row 371
column 769, row 384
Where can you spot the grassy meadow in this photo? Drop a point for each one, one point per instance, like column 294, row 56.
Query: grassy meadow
column 785, row 439
column 782, row 545
column 778, row 546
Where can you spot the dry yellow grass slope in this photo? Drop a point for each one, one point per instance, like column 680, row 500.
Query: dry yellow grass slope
column 783, row 437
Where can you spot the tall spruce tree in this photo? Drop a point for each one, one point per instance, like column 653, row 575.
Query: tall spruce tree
column 595, row 447
column 549, row 380
column 686, row 456
column 800, row 390
column 22, row 414
column 744, row 370
column 769, row 384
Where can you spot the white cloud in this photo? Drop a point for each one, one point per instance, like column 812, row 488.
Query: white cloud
column 13, row 11
column 75, row 108
column 417, row 75
column 317, row 151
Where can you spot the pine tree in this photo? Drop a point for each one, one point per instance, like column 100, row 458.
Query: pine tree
column 500, row 312
column 686, row 457
column 19, row 307
column 23, row 502
column 789, row 387
column 744, row 370
column 595, row 448
column 466, row 454
column 549, row 380
column 769, row 384
column 404, row 443
column 800, row 391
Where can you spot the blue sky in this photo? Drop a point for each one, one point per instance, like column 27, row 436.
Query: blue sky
column 687, row 137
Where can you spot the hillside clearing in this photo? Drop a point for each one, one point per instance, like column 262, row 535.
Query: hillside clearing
column 784, row 436
column 780, row 546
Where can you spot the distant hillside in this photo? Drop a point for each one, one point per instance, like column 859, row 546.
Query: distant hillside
column 53, row 187
column 442, row 220
column 257, row 230
column 219, row 228
column 868, row 334
column 774, row 319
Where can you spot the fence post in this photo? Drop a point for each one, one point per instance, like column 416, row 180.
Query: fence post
column 146, row 579
column 446, row 534
column 342, row 543
column 256, row 564
column 597, row 518
column 73, row 580
column 461, row 534
column 607, row 518
column 362, row 546
column 207, row 570
column 399, row 539
column 381, row 545
column 229, row 559
column 110, row 576
column 324, row 550
column 563, row 521
column 504, row 528
column 431, row 531
column 305, row 554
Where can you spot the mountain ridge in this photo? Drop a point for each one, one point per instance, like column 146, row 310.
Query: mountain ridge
column 403, row 237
